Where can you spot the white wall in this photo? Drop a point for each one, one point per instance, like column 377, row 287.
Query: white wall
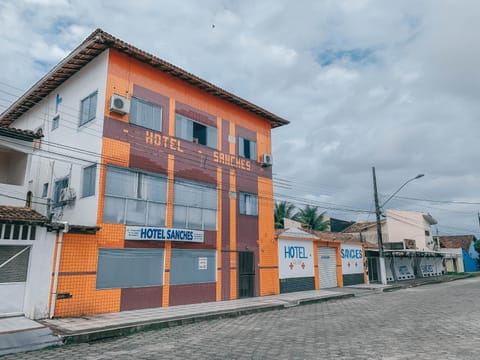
column 60, row 155
column 409, row 225
column 37, row 290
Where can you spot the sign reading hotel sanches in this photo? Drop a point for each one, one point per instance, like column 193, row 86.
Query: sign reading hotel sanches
column 163, row 234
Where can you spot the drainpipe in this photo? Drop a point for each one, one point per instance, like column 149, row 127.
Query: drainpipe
column 57, row 266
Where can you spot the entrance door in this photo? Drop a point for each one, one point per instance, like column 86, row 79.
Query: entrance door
column 246, row 274
column 372, row 266
column 327, row 267
column 13, row 276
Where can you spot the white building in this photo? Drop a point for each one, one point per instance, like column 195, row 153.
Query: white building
column 26, row 248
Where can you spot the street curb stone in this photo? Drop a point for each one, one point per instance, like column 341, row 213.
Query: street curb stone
column 128, row 329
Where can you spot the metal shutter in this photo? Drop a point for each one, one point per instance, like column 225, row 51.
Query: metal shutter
column 327, row 267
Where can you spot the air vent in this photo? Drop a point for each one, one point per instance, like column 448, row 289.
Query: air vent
column 119, row 104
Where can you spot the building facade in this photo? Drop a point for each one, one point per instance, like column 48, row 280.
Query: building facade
column 158, row 183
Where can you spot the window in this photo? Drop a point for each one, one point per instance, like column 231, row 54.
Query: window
column 192, row 266
column 194, row 205
column 134, row 198
column 193, row 131
column 59, row 186
column 88, row 108
column 55, row 122
column 247, row 148
column 89, row 177
column 248, row 204
column 129, row 268
column 427, row 233
column 45, row 190
column 145, row 114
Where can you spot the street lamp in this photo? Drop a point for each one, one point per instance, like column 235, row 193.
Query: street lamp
column 383, row 274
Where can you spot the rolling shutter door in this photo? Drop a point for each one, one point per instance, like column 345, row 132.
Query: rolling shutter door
column 327, row 267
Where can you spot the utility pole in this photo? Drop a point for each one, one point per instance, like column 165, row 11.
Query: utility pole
column 381, row 258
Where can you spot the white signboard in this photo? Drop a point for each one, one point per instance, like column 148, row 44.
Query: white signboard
column 352, row 259
column 295, row 258
column 163, row 234
column 202, row 263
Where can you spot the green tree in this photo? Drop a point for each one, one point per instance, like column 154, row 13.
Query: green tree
column 283, row 209
column 310, row 215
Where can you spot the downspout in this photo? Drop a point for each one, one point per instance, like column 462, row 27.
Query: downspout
column 57, row 267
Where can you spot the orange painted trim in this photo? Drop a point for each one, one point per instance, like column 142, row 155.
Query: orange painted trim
column 166, row 274
column 233, row 236
column 171, row 125
column 315, row 266
column 170, row 183
column 365, row 276
column 339, row 268
column 52, row 278
column 169, row 221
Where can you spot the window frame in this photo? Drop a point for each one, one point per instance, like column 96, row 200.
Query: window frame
column 134, row 99
column 244, row 140
column 92, row 182
column 242, row 198
column 55, row 122
column 139, row 193
column 204, row 207
column 57, row 191
column 191, row 138
column 90, row 115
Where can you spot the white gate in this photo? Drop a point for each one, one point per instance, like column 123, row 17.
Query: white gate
column 327, row 267
column 15, row 243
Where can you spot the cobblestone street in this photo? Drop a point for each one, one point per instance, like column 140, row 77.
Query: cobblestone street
column 439, row 321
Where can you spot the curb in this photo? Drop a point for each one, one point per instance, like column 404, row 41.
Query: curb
column 129, row 329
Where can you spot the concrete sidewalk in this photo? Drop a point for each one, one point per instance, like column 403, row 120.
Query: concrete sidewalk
column 101, row 326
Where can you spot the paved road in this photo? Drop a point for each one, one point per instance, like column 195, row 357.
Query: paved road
column 430, row 322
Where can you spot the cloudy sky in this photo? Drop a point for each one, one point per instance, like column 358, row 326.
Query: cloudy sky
column 390, row 84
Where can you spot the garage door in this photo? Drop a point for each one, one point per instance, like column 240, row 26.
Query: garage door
column 327, row 267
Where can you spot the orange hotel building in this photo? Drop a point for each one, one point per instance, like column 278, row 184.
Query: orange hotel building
column 168, row 196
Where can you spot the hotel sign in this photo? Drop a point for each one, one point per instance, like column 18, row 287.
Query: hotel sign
column 163, row 234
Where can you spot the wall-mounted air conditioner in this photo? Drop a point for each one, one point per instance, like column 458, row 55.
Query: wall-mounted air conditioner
column 119, row 104
column 67, row 195
column 266, row 160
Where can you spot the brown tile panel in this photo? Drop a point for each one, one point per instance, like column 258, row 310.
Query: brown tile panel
column 247, row 237
column 141, row 298
column 192, row 293
column 245, row 133
column 225, row 131
column 210, row 242
column 144, row 244
column 247, row 232
column 195, row 114
column 156, row 98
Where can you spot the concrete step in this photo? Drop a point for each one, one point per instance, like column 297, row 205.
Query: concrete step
column 27, row 340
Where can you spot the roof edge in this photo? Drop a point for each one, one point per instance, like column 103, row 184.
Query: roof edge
column 105, row 41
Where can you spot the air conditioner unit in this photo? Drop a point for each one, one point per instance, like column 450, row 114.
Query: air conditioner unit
column 67, row 195
column 119, row 104
column 266, row 160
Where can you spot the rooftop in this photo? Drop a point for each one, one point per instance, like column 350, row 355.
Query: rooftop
column 99, row 41
column 20, row 215
column 456, row 241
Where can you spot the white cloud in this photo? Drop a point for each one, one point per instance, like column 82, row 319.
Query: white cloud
column 403, row 96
